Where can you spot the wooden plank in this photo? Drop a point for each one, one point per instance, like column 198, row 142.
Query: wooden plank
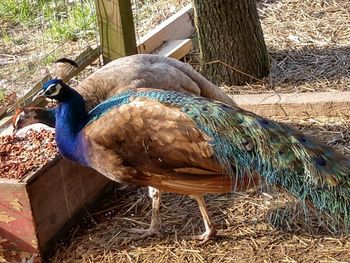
column 116, row 28
column 5, row 121
column 17, row 228
column 330, row 104
column 176, row 48
column 59, row 193
column 178, row 26
column 36, row 211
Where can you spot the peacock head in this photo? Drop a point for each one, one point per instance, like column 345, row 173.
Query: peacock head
column 53, row 89
column 24, row 117
column 30, row 115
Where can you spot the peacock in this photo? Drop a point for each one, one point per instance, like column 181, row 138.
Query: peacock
column 147, row 71
column 186, row 144
column 140, row 70
column 29, row 115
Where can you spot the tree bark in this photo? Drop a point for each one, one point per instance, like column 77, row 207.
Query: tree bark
column 230, row 31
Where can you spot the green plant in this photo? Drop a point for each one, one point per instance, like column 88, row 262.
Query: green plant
column 23, row 11
column 6, row 37
column 58, row 20
column 77, row 22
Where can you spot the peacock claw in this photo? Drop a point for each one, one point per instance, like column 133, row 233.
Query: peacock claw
column 144, row 233
column 206, row 236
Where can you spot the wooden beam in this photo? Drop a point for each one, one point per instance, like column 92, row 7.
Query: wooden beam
column 178, row 26
column 315, row 104
column 176, row 48
column 116, row 28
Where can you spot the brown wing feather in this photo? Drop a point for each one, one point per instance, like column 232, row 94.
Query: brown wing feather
column 162, row 145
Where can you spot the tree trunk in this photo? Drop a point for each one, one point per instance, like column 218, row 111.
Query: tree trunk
column 230, row 31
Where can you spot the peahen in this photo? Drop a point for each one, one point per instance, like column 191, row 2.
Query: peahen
column 140, row 70
column 147, row 71
column 181, row 143
column 29, row 115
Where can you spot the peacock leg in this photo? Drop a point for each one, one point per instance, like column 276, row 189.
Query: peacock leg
column 154, row 229
column 209, row 227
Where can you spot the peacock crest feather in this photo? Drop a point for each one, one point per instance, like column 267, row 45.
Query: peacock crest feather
column 244, row 142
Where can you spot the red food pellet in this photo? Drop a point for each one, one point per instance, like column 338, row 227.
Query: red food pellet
column 19, row 156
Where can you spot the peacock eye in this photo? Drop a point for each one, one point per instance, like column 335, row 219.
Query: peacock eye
column 186, row 109
column 51, row 89
column 302, row 139
column 247, row 143
column 281, row 151
column 264, row 121
column 320, row 161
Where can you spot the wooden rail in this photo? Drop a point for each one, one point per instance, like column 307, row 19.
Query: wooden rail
column 330, row 104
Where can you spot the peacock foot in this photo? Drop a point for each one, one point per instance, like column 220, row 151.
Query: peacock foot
column 144, row 233
column 207, row 235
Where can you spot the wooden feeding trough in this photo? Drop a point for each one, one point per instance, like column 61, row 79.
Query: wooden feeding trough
column 36, row 210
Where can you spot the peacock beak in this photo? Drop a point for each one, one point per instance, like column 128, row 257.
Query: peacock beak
column 40, row 94
column 14, row 131
column 16, row 120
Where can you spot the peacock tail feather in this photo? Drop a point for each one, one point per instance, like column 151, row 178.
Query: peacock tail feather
column 244, row 142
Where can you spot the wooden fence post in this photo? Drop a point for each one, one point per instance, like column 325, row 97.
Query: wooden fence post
column 116, row 27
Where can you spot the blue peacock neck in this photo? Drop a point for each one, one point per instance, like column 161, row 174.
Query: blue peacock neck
column 71, row 117
column 47, row 117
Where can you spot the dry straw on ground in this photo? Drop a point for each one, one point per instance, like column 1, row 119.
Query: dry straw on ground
column 309, row 44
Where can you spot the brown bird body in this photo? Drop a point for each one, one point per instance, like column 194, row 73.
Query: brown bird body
column 164, row 146
column 146, row 71
column 186, row 144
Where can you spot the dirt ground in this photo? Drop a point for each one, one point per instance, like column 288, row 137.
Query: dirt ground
column 309, row 44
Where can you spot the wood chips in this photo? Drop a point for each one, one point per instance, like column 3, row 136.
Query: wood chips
column 21, row 155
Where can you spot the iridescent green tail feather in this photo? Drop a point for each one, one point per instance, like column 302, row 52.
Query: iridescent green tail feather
column 283, row 156
column 245, row 143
